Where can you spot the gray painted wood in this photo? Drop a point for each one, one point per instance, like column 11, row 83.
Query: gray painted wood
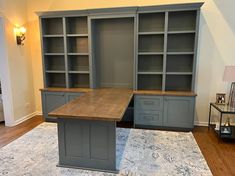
column 148, row 110
column 114, row 52
column 66, row 51
column 72, row 96
column 87, row 144
column 51, row 101
column 121, row 10
column 195, row 60
column 179, row 112
column 164, row 112
column 165, row 51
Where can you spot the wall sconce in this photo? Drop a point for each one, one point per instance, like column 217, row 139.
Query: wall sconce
column 20, row 35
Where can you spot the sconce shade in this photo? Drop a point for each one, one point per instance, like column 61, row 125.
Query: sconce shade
column 229, row 74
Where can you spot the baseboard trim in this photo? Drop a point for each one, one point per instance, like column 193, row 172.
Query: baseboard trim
column 197, row 123
column 22, row 119
column 38, row 112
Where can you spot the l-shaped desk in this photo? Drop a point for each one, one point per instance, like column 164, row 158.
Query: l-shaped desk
column 87, row 128
column 87, row 124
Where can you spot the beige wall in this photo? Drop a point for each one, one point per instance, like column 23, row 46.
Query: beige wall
column 19, row 59
column 216, row 44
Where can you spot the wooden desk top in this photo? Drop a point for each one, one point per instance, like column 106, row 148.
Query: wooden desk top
column 136, row 92
column 82, row 90
column 100, row 104
column 165, row 93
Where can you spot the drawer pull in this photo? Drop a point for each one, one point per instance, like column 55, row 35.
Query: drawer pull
column 149, row 103
column 148, row 117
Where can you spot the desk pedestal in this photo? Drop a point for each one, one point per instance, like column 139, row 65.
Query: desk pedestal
column 87, row 144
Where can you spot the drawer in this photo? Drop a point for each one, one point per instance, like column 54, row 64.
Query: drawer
column 153, row 118
column 148, row 102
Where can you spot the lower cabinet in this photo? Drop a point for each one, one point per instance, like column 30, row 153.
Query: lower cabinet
column 53, row 100
column 164, row 111
column 179, row 112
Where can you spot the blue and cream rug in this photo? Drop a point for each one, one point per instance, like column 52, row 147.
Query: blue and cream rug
column 139, row 152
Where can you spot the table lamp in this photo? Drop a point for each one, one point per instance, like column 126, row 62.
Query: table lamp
column 229, row 76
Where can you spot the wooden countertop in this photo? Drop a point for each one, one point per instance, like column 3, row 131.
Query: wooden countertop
column 100, row 104
column 136, row 92
column 84, row 90
column 165, row 93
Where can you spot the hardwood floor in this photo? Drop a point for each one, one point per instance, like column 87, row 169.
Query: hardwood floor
column 8, row 134
column 220, row 155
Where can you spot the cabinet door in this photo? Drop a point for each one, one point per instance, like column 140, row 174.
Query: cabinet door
column 179, row 112
column 51, row 101
column 72, row 96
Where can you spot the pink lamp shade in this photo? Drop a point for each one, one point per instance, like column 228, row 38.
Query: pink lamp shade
column 229, row 74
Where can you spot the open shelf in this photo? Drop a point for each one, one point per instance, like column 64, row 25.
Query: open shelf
column 151, row 22
column 182, row 21
column 150, row 33
column 151, row 43
column 78, row 63
column 150, row 63
column 56, row 80
column 179, row 63
column 178, row 82
column 150, row 53
column 77, row 44
column 55, row 63
column 227, row 136
column 149, row 82
column 77, row 25
column 77, row 80
column 52, row 26
column 54, row 45
column 180, row 43
column 52, row 35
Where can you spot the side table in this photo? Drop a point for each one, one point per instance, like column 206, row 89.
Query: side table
column 222, row 109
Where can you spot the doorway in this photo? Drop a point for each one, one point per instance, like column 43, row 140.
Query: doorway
column 6, row 94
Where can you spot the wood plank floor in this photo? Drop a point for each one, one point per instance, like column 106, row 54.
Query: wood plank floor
column 8, row 134
column 220, row 155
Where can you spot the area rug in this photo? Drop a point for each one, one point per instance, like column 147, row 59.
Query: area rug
column 139, row 152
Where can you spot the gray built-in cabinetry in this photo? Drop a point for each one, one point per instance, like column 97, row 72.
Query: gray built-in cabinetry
column 142, row 48
column 53, row 100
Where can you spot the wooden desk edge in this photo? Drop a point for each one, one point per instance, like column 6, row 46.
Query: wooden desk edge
column 64, row 116
column 72, row 90
column 165, row 93
column 135, row 92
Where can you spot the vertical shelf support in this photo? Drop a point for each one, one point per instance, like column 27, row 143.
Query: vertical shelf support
column 65, row 53
column 165, row 52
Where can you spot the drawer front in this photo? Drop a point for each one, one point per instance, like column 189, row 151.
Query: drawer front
column 153, row 118
column 154, row 103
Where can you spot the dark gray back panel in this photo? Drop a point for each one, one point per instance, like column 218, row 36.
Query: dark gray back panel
column 114, row 52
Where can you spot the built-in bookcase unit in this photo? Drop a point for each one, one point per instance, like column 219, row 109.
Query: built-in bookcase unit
column 65, row 50
column 166, row 50
column 151, row 32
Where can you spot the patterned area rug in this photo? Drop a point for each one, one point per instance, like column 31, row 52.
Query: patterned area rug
column 139, row 152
